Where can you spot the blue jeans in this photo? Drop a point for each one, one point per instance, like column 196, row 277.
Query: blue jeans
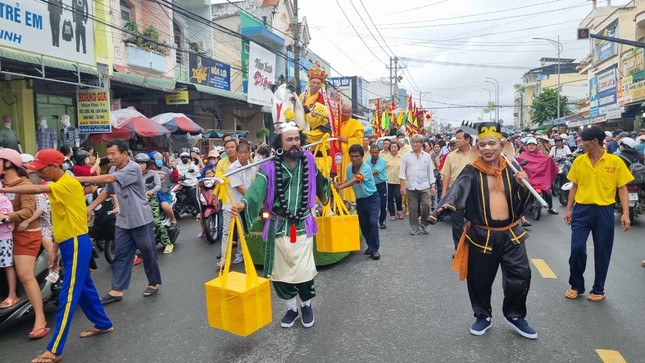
column 368, row 210
column 381, row 190
column 599, row 220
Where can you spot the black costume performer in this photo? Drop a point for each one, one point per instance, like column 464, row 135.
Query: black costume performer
column 487, row 243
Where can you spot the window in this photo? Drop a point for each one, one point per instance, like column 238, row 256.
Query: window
column 126, row 16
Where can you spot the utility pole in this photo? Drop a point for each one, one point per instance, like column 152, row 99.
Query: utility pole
column 296, row 47
column 391, row 80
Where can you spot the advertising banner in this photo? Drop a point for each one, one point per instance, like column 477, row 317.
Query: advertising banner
column 261, row 75
column 602, row 91
column 179, row 98
column 209, row 72
column 632, row 62
column 603, row 49
column 56, row 28
column 93, row 111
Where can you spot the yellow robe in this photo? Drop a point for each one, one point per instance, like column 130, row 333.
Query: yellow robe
column 352, row 130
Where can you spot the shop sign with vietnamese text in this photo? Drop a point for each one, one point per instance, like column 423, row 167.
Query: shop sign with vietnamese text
column 93, row 111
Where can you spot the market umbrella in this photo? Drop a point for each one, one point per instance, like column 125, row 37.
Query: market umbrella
column 128, row 123
column 178, row 123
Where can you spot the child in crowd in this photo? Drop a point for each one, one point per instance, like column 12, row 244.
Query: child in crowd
column 6, row 254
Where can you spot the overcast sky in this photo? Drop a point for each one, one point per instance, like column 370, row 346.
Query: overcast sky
column 497, row 34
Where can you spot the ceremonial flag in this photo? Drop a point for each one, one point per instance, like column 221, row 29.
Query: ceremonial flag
column 385, row 121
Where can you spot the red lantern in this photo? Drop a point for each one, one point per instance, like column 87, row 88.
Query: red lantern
column 428, row 116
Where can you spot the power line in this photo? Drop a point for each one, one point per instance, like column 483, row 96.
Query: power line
column 376, row 28
column 352, row 25
column 368, row 29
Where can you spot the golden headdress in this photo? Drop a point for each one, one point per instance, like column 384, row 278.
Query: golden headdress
column 317, row 72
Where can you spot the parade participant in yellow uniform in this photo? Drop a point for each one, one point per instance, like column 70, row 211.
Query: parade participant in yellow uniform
column 70, row 232
column 318, row 120
column 351, row 133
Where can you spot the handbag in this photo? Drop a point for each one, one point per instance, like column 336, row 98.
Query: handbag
column 68, row 32
column 236, row 302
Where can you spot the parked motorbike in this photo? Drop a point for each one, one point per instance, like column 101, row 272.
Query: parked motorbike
column 48, row 290
column 210, row 212
column 534, row 208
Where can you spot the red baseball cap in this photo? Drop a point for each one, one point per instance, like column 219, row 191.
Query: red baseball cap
column 45, row 158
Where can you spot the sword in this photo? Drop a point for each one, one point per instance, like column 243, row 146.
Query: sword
column 526, row 183
column 267, row 159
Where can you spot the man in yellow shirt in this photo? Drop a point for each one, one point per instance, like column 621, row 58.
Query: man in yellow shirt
column 596, row 175
column 69, row 222
column 351, row 133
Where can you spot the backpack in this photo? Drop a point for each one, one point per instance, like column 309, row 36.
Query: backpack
column 638, row 171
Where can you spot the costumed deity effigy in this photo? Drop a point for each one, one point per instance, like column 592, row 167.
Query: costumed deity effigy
column 321, row 112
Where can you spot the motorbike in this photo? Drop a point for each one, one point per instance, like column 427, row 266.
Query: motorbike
column 534, row 208
column 49, row 291
column 561, row 178
column 210, row 212
column 184, row 204
column 102, row 228
column 564, row 193
column 636, row 201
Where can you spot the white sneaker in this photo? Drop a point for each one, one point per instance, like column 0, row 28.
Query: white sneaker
column 221, row 263
column 168, row 249
column 238, row 259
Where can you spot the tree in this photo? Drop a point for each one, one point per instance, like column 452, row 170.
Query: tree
column 545, row 106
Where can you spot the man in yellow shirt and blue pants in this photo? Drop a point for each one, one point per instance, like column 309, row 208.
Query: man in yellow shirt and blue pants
column 69, row 221
column 596, row 175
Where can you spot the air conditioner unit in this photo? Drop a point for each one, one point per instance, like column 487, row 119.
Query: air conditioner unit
column 237, row 112
column 197, row 46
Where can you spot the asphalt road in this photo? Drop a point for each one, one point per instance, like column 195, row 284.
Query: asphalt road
column 409, row 306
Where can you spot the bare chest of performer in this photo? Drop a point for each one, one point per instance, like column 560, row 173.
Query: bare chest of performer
column 497, row 199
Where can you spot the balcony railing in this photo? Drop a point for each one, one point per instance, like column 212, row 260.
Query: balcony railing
column 145, row 59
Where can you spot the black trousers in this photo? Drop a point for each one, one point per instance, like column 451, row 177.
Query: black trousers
column 54, row 21
column 482, row 269
column 394, row 198
column 381, row 190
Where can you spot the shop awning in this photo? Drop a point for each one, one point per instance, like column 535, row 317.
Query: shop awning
column 159, row 84
column 25, row 57
column 215, row 91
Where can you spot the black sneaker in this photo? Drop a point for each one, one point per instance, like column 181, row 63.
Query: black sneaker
column 289, row 319
column 522, row 327
column 480, row 326
column 368, row 252
column 307, row 316
column 383, row 226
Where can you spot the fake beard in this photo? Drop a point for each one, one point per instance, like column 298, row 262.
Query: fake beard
column 294, row 153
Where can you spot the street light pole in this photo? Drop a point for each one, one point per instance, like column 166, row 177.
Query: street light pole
column 496, row 84
column 558, row 46
column 489, row 97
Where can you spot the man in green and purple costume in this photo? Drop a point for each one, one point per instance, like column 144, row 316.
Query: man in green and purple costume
column 286, row 188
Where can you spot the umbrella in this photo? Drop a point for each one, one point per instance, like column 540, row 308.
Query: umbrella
column 128, row 122
column 178, row 123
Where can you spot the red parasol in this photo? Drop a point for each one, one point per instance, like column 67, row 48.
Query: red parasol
column 128, row 123
column 178, row 123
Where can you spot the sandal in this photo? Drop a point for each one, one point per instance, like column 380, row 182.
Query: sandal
column 150, row 291
column 7, row 303
column 108, row 299
column 39, row 333
column 91, row 332
column 527, row 224
column 571, row 294
column 595, row 297
column 47, row 357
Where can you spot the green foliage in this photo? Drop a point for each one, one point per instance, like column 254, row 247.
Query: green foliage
column 545, row 106
column 490, row 108
column 148, row 39
column 262, row 133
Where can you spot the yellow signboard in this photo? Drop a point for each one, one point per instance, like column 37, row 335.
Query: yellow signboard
column 93, row 107
column 179, row 98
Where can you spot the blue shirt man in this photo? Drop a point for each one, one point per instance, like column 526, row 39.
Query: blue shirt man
column 359, row 177
column 379, row 170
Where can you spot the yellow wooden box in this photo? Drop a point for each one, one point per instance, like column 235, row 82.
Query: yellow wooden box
column 238, row 304
column 339, row 233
